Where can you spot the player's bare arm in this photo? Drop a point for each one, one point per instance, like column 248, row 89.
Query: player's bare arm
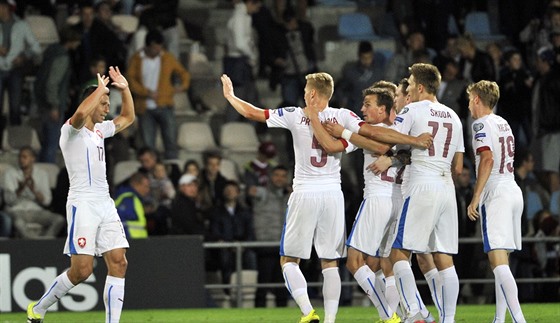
column 330, row 144
column 126, row 118
column 244, row 108
column 483, row 173
column 85, row 108
column 390, row 136
column 375, row 146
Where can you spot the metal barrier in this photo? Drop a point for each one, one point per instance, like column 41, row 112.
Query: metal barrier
column 239, row 246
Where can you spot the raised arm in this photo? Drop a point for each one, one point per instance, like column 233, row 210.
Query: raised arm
column 358, row 140
column 85, row 108
column 391, row 136
column 244, row 108
column 329, row 143
column 126, row 118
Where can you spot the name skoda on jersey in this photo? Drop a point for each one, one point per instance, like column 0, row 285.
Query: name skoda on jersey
column 83, row 297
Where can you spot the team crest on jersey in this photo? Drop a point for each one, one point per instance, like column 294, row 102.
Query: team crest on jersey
column 98, row 132
column 478, row 126
column 82, row 242
column 404, row 110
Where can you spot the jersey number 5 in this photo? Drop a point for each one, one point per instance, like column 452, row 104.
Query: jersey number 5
column 318, row 162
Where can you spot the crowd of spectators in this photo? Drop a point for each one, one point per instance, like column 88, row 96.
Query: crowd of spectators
column 164, row 198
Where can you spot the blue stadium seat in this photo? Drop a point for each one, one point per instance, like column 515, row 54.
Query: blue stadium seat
column 555, row 203
column 477, row 23
column 356, row 26
column 534, row 204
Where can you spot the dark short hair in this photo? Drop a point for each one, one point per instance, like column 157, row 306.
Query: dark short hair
column 87, row 92
column 365, row 47
column 154, row 36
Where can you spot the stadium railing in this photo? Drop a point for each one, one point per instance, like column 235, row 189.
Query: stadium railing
column 239, row 246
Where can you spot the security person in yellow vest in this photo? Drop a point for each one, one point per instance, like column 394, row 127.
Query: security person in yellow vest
column 129, row 203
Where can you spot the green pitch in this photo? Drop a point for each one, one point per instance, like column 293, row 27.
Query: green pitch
column 465, row 314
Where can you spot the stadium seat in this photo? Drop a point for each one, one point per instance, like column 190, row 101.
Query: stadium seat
column 52, row 171
column 123, row 170
column 194, row 138
column 555, row 203
column 248, row 277
column 15, row 137
column 477, row 23
column 127, row 23
column 239, row 141
column 356, row 26
column 534, row 204
column 44, row 29
column 229, row 169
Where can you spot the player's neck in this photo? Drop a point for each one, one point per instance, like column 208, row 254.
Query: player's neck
column 427, row 97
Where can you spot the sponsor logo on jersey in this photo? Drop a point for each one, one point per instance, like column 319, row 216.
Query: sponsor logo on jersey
column 398, row 119
column 404, row 110
column 290, row 109
column 478, row 126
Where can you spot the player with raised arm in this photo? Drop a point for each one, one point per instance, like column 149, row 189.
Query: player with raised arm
column 496, row 196
column 315, row 215
column 94, row 227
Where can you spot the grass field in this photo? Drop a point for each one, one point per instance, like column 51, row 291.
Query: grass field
column 549, row 313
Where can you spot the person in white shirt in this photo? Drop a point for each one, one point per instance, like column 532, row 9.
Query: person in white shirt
column 242, row 53
column 94, row 227
column 497, row 198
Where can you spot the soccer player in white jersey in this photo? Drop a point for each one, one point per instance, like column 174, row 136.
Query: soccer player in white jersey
column 496, row 196
column 315, row 214
column 94, row 227
column 428, row 221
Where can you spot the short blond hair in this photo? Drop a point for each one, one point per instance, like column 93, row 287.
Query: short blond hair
column 322, row 83
column 487, row 91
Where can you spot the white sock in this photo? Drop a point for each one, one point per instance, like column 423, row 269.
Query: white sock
column 331, row 292
column 449, row 294
column 391, row 293
column 113, row 297
column 406, row 285
column 501, row 306
column 380, row 281
column 297, row 286
column 508, row 288
column 434, row 282
column 367, row 281
column 421, row 305
column 60, row 286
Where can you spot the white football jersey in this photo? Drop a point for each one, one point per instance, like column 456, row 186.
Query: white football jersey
column 84, row 155
column 385, row 184
column 493, row 132
column 313, row 165
column 446, row 128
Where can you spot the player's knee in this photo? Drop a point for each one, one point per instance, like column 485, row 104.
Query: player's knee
column 79, row 273
column 118, row 267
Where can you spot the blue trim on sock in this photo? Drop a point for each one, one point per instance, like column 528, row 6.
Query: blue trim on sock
column 287, row 284
column 378, row 298
column 442, row 304
column 403, row 295
column 507, row 304
column 437, row 299
column 47, row 293
column 109, row 303
column 418, row 300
